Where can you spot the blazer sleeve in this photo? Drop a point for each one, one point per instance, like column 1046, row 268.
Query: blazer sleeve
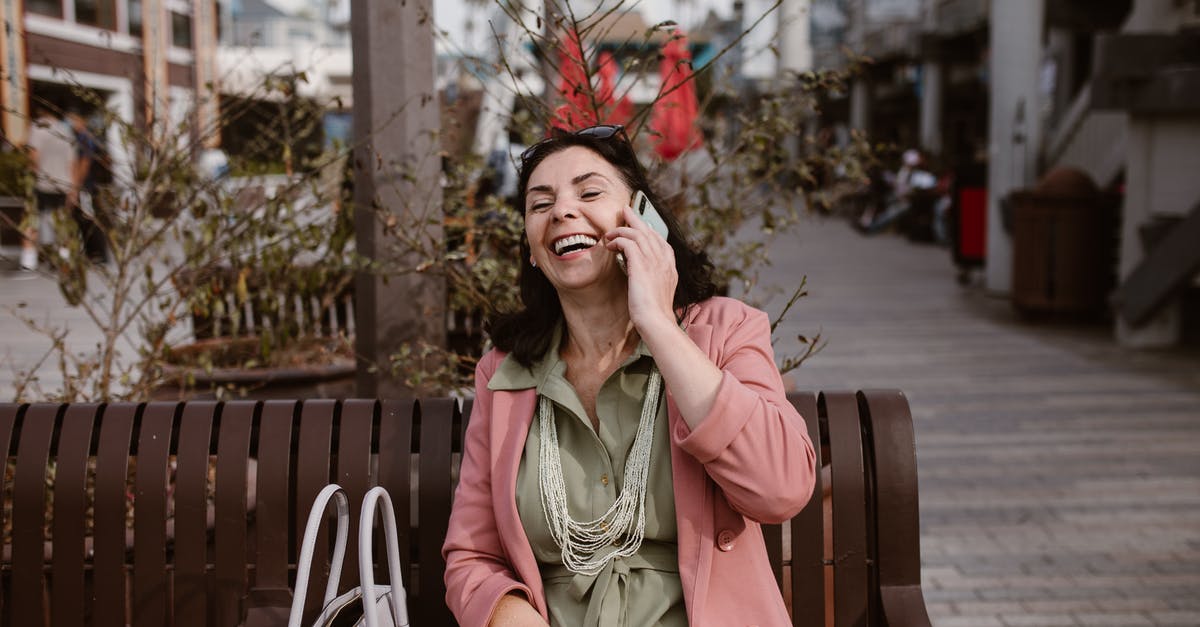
column 478, row 572
column 753, row 443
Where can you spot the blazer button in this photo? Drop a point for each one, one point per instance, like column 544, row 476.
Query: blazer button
column 725, row 540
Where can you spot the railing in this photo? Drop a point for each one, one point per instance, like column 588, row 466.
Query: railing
column 1093, row 141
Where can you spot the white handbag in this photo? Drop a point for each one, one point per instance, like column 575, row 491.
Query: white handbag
column 381, row 605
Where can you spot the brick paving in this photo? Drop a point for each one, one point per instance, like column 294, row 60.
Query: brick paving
column 1059, row 473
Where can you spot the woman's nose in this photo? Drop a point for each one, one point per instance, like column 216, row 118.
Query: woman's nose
column 563, row 210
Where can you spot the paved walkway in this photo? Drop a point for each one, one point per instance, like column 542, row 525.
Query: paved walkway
column 1059, row 474
column 36, row 298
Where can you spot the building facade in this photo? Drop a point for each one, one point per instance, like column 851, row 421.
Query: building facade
column 1109, row 89
column 140, row 59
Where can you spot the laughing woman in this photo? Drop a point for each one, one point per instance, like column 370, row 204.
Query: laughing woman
column 630, row 431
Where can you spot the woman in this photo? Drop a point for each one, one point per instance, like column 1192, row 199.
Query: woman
column 629, row 432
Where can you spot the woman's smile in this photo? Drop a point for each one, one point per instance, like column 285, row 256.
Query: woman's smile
column 568, row 244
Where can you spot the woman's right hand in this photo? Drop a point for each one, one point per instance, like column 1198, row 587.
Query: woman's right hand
column 514, row 611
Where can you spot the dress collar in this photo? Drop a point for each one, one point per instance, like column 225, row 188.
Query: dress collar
column 511, row 375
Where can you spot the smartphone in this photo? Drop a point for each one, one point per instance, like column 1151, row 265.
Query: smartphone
column 644, row 208
column 641, row 204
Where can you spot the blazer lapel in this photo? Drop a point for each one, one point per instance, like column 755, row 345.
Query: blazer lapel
column 512, row 415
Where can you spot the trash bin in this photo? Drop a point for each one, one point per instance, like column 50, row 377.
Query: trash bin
column 1064, row 245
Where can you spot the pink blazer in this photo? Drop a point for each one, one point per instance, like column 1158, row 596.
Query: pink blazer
column 750, row 462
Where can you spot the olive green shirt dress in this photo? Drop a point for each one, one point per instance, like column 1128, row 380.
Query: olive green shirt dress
column 639, row 591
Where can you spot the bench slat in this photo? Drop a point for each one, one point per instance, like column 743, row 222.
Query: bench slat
column 191, row 513
column 437, row 424
column 808, row 529
column 8, row 422
column 850, row 551
column 233, row 453
column 112, row 468
column 773, row 539
column 354, row 474
column 395, row 471
column 29, row 486
column 271, row 510
column 150, row 583
column 74, row 446
column 899, row 549
column 313, row 474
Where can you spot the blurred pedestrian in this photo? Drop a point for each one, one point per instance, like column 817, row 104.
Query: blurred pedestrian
column 83, row 196
column 52, row 152
column 910, row 178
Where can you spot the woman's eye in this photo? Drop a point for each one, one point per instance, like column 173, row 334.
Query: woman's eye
column 540, row 206
column 590, row 194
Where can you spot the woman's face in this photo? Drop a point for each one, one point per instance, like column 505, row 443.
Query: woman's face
column 573, row 198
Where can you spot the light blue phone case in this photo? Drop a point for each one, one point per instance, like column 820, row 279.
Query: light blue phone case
column 644, row 208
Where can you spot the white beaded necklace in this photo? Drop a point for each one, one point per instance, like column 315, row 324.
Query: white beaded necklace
column 624, row 524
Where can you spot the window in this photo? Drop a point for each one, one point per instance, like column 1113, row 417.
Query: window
column 135, row 18
column 98, row 13
column 300, row 34
column 51, row 8
column 181, row 30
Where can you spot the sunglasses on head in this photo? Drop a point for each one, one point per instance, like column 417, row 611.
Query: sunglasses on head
column 599, row 131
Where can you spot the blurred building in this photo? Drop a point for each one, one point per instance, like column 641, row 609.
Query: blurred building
column 922, row 78
column 286, row 38
column 139, row 58
column 1109, row 89
column 1011, row 91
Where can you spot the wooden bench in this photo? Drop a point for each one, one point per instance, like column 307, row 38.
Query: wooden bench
column 198, row 507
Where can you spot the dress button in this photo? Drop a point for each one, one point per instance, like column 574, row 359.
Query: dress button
column 604, row 479
column 725, row 540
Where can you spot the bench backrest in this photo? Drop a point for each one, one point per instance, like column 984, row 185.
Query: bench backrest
column 190, row 513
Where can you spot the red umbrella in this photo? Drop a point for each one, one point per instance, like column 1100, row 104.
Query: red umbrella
column 619, row 112
column 577, row 112
column 674, row 115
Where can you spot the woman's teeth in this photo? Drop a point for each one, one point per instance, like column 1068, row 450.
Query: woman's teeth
column 572, row 243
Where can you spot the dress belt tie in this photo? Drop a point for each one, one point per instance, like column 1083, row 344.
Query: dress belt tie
column 610, row 584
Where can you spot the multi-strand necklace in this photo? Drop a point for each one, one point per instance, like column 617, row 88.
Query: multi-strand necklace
column 624, row 524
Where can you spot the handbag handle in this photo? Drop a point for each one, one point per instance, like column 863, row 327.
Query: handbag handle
column 366, row 560
column 330, row 492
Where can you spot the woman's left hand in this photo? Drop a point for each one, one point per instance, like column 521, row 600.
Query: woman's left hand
column 650, row 265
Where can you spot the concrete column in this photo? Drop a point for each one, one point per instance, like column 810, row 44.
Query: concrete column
column 931, row 106
column 156, row 40
column 204, row 65
column 795, row 47
column 1015, row 34
column 14, row 89
column 397, row 169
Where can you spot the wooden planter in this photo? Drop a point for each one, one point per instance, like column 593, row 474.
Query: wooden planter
column 332, row 378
